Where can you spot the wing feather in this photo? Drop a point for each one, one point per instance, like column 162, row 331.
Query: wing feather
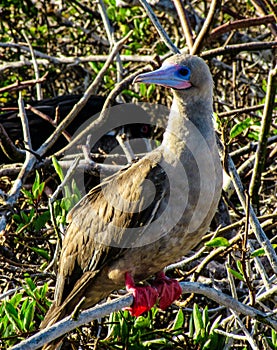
column 98, row 232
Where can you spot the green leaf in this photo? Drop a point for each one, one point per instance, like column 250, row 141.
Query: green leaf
column 30, row 283
column 142, row 90
column 205, row 318
column 197, row 319
column 207, row 345
column 142, row 322
column 218, row 242
column 23, row 309
column 150, row 90
column 236, row 274
column 58, row 168
column 29, row 316
column 274, row 337
column 124, row 329
column 43, row 291
column 36, row 182
column 179, row 320
column 25, row 217
column 15, row 300
column 41, row 220
column 12, row 315
column 41, row 252
column 191, row 326
column 240, row 127
column 113, row 324
column 215, row 324
column 160, row 341
column 17, row 218
column 77, row 195
column 239, row 266
column 260, row 251
column 27, row 193
column 66, row 204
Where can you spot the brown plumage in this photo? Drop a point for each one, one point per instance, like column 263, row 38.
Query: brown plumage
column 123, row 226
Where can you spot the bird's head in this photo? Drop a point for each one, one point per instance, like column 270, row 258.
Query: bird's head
column 188, row 75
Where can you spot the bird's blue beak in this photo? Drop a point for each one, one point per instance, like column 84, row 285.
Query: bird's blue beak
column 167, row 75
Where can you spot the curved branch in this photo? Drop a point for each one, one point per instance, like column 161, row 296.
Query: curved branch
column 241, row 23
column 68, row 324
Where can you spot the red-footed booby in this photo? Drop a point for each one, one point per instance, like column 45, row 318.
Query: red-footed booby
column 121, row 232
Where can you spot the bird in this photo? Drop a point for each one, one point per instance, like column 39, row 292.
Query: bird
column 41, row 129
column 151, row 213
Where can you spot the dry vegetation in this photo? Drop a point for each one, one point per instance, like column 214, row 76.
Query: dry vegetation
column 71, row 44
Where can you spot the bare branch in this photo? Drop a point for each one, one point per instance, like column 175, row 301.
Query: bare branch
column 260, row 157
column 104, row 113
column 184, row 22
column 68, row 324
column 215, row 4
column 8, row 147
column 254, row 222
column 241, row 23
column 20, row 85
column 77, row 108
column 36, row 70
column 159, row 27
column 234, row 49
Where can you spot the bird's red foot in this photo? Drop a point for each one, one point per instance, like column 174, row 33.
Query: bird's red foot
column 168, row 289
column 145, row 297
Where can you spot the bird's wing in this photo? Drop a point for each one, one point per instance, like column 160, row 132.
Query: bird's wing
column 101, row 223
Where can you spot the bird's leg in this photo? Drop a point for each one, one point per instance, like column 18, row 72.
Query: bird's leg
column 168, row 289
column 145, row 297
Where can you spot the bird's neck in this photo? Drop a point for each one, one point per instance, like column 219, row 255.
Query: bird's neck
column 188, row 121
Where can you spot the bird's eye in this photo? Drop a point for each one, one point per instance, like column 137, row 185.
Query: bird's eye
column 183, row 71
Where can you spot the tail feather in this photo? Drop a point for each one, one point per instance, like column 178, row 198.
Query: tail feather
column 94, row 286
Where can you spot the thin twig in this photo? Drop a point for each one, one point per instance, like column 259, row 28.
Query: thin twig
column 254, row 222
column 9, row 148
column 262, row 10
column 241, row 23
column 36, row 70
column 164, row 36
column 48, row 119
column 25, row 124
column 67, row 177
column 184, row 20
column 236, row 48
column 272, row 8
column 250, row 339
column 251, row 146
column 241, row 110
column 126, row 149
column 103, row 117
column 20, row 85
column 110, row 34
column 215, row 4
column 79, row 105
column 260, row 157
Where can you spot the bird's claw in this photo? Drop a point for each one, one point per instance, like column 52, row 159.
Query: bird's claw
column 145, row 297
column 168, row 289
column 164, row 292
